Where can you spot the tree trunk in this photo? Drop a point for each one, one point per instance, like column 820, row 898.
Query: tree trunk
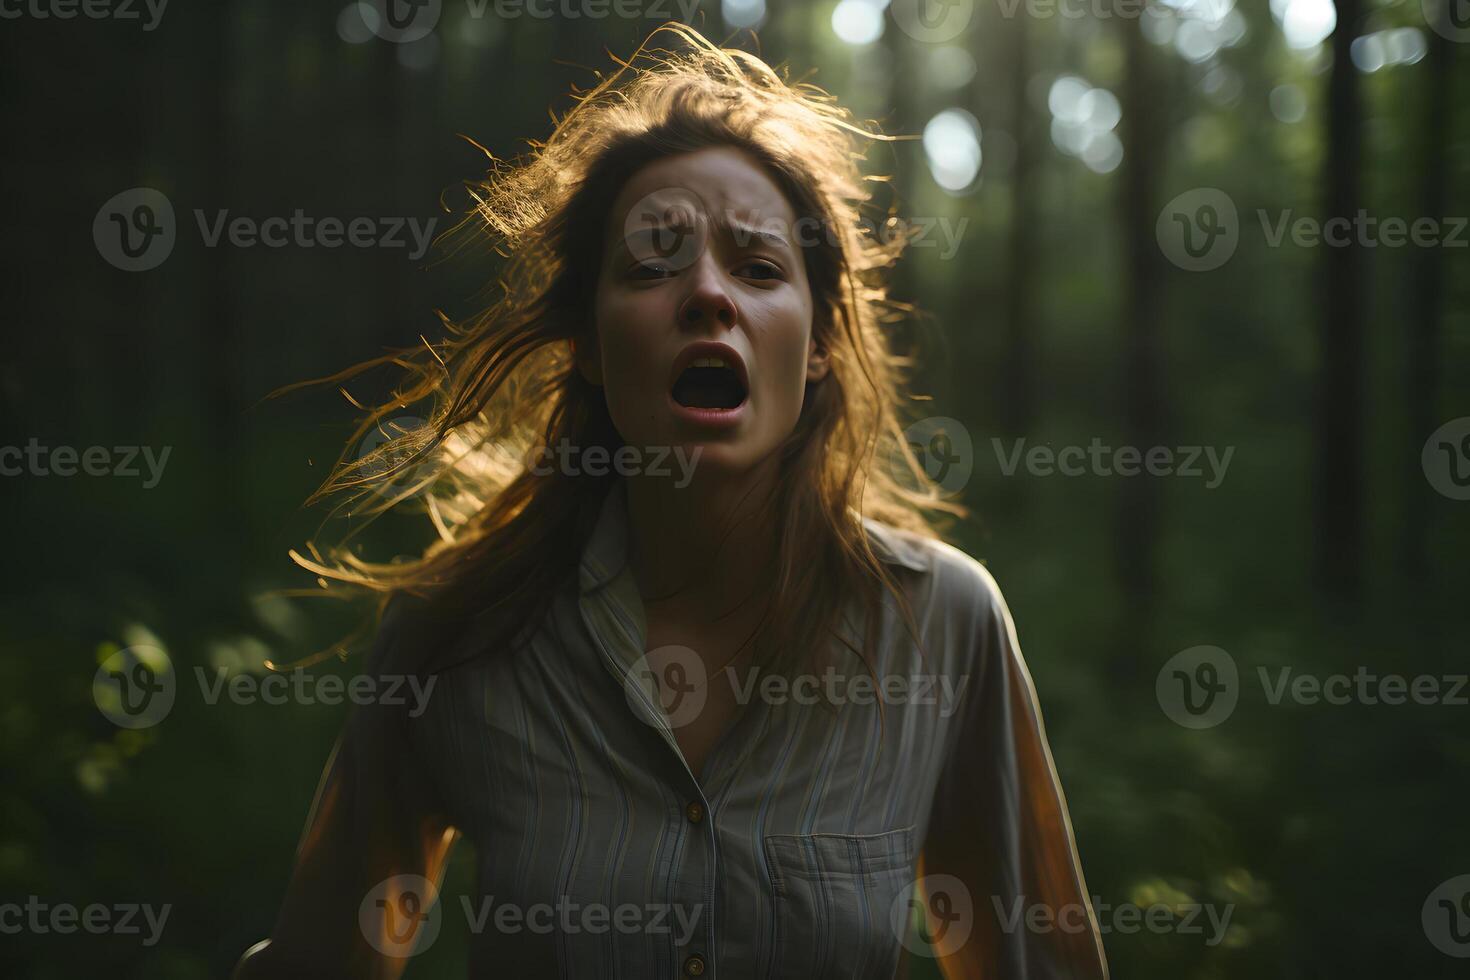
column 1426, row 305
column 1018, row 387
column 1139, row 517
column 218, row 189
column 1339, row 489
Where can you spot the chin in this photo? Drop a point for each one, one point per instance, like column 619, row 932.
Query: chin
column 719, row 458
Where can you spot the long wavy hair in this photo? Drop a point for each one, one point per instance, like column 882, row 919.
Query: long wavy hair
column 495, row 389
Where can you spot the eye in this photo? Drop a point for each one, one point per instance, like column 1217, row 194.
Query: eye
column 650, row 271
column 760, row 270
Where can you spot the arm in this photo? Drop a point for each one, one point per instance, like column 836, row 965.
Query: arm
column 1000, row 825
column 375, row 816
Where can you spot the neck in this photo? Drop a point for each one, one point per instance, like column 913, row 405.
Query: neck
column 707, row 546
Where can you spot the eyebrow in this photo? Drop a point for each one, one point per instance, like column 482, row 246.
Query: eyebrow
column 741, row 232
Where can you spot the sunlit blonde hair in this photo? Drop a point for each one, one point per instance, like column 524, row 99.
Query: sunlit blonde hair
column 503, row 384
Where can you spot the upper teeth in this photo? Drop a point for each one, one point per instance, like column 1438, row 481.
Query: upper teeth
column 715, row 362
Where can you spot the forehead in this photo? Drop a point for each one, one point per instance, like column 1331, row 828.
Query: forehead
column 722, row 180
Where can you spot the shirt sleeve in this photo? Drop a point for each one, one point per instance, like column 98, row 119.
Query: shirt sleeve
column 375, row 818
column 1000, row 826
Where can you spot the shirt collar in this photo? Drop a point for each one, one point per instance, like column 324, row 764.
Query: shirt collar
column 606, row 551
column 894, row 547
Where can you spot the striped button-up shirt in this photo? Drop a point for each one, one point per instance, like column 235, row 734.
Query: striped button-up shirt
column 844, row 824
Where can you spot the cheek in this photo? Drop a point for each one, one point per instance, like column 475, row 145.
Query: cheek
column 628, row 344
column 786, row 337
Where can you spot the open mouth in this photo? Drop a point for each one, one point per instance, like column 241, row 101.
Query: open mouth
column 709, row 383
column 709, row 378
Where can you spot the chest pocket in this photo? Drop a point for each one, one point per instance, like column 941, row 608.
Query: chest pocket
column 834, row 895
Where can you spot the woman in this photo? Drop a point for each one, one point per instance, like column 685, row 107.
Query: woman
column 710, row 697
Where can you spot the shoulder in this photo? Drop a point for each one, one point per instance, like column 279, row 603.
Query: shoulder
column 416, row 636
column 943, row 580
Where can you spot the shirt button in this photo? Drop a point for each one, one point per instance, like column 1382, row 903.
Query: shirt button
column 695, row 813
column 694, row 966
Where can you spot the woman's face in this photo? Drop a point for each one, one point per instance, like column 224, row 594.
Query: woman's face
column 703, row 312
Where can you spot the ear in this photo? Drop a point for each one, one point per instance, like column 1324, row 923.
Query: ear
column 818, row 362
column 588, row 358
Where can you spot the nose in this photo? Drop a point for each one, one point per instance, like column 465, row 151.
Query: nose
column 708, row 301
